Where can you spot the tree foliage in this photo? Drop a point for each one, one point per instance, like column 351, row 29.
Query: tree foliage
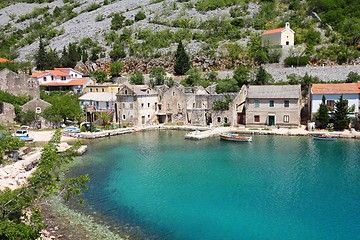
column 182, row 62
column 157, row 76
column 116, row 68
column 262, row 77
column 222, row 105
column 341, row 119
column 241, row 75
column 64, row 106
column 99, row 75
column 323, row 114
column 14, row 224
column 137, row 78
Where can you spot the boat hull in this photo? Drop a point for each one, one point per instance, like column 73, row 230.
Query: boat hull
column 235, row 138
column 325, row 138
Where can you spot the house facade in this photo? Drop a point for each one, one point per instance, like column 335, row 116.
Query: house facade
column 278, row 37
column 273, row 105
column 136, row 104
column 104, row 87
column 332, row 93
column 62, row 79
column 38, row 106
column 193, row 106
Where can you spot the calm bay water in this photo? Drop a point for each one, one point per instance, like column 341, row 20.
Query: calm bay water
column 272, row 188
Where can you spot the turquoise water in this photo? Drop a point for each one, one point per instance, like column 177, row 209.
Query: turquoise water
column 272, row 188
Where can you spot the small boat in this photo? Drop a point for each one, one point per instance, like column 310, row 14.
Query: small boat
column 26, row 139
column 325, row 137
column 234, row 137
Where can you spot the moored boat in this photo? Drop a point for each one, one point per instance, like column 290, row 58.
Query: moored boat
column 235, row 137
column 325, row 137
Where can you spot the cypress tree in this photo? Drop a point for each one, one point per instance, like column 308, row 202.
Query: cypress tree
column 323, row 115
column 340, row 116
column 182, row 63
column 41, row 57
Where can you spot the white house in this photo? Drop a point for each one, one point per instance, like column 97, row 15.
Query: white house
column 332, row 93
column 279, row 36
column 99, row 100
column 62, row 79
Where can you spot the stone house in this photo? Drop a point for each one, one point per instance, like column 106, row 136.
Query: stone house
column 192, row 106
column 62, row 79
column 278, row 37
column 136, row 104
column 172, row 107
column 273, row 105
column 38, row 106
column 332, row 93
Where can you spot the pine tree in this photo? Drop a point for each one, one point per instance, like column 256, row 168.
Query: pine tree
column 41, row 57
column 323, row 115
column 340, row 116
column 182, row 63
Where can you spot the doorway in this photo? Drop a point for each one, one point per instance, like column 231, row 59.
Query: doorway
column 271, row 121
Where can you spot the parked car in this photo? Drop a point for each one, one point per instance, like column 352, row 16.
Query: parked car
column 21, row 133
column 72, row 129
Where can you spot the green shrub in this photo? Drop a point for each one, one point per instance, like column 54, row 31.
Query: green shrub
column 139, row 16
column 137, row 78
column 296, row 61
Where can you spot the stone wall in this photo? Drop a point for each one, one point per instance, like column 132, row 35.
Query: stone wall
column 325, row 73
column 7, row 113
column 18, row 84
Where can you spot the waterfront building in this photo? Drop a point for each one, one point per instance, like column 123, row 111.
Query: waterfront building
column 332, row 93
column 136, row 104
column 273, row 105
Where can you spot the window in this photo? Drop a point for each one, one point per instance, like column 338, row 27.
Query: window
column 330, row 104
column 179, row 106
column 225, row 120
column 173, row 93
column 256, row 103
column 103, row 90
column 271, row 103
column 142, row 105
column 90, row 89
column 63, row 78
column 148, row 115
column 219, row 119
column 286, row 118
column 96, row 89
column 193, row 105
column 125, row 92
column 148, row 104
column 124, row 117
column 286, row 103
column 256, row 118
column 107, row 104
column 38, row 110
column 52, row 78
column 44, row 79
column 159, row 107
column 75, row 75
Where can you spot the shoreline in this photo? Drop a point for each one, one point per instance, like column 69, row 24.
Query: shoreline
column 14, row 175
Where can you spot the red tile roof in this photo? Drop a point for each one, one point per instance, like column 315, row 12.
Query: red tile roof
column 4, row 60
column 74, row 82
column 335, row 88
column 52, row 72
column 271, row 31
column 39, row 74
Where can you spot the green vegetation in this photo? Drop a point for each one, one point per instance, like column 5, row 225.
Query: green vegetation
column 182, row 64
column 45, row 181
column 353, row 77
column 139, row 16
column 100, row 76
column 222, row 105
column 116, row 68
column 64, row 106
column 8, row 144
column 323, row 114
column 341, row 119
column 157, row 76
column 137, row 78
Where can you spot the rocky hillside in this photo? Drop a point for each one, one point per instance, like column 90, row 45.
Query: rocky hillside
column 223, row 31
